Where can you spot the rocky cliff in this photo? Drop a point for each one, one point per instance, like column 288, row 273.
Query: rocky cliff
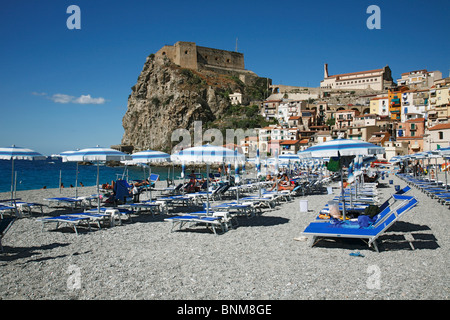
column 167, row 97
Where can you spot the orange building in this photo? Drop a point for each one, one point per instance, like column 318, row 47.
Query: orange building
column 394, row 100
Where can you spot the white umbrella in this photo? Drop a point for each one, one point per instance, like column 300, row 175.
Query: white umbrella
column 64, row 159
column 147, row 157
column 98, row 154
column 207, row 154
column 285, row 158
column 17, row 153
column 343, row 148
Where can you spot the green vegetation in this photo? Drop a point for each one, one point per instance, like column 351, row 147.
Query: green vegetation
column 240, row 117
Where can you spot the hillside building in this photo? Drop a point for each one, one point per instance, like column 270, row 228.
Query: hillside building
column 378, row 79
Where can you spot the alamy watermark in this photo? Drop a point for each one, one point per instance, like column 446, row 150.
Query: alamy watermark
column 374, row 279
column 74, row 20
column 74, row 278
column 374, row 20
column 233, row 137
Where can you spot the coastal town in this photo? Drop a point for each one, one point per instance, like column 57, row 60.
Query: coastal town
column 405, row 116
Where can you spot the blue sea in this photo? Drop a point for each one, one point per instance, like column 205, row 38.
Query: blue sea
column 37, row 174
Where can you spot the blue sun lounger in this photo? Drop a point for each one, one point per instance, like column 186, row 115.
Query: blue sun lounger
column 193, row 219
column 73, row 202
column 6, row 208
column 360, row 207
column 73, row 221
column 386, row 218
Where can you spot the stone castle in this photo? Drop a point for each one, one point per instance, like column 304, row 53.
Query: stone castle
column 189, row 55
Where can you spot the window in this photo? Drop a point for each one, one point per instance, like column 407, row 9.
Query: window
column 441, row 135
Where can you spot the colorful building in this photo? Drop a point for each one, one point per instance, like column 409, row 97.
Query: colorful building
column 395, row 105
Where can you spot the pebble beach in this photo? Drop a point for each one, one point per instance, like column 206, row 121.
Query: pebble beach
column 265, row 257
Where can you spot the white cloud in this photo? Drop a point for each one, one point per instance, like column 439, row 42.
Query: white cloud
column 62, row 98
column 83, row 99
column 87, row 99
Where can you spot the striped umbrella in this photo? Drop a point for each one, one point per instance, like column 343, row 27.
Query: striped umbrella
column 98, row 154
column 148, row 156
column 17, row 153
column 345, row 147
column 206, row 154
column 286, row 158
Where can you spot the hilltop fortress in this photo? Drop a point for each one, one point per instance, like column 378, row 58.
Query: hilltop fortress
column 189, row 55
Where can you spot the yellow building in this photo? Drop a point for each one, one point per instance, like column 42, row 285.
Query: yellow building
column 379, row 105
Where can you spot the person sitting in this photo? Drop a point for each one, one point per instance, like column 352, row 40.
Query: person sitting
column 285, row 183
column 191, row 187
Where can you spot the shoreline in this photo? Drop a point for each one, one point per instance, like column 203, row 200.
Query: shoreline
column 264, row 258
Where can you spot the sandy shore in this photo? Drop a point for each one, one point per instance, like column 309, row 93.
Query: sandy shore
column 261, row 259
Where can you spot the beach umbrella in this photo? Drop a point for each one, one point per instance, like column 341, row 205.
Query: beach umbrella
column 18, row 153
column 147, row 157
column 64, row 155
column 345, row 148
column 207, row 154
column 98, row 154
column 286, row 158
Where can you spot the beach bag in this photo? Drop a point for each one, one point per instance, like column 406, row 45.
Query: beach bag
column 372, row 210
column 334, row 164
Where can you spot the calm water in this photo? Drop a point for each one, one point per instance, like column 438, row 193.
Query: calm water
column 36, row 174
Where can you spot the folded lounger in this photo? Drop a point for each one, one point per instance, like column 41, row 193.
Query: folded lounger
column 320, row 230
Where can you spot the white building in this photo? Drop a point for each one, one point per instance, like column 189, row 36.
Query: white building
column 378, row 79
column 419, row 78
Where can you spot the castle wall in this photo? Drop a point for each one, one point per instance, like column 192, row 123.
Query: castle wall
column 188, row 55
column 220, row 58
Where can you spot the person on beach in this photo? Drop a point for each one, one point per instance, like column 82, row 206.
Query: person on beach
column 135, row 192
column 81, row 184
column 191, row 187
column 283, row 183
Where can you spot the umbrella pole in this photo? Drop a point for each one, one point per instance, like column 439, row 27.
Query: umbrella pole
column 98, row 189
column 445, row 171
column 15, row 184
column 12, row 179
column 342, row 194
column 76, row 182
column 207, row 189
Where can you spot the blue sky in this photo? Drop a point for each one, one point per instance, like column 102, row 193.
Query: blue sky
column 63, row 89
